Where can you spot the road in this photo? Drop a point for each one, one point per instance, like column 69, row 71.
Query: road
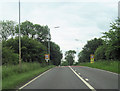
column 74, row 77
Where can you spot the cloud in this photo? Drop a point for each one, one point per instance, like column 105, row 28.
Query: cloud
column 82, row 20
column 9, row 11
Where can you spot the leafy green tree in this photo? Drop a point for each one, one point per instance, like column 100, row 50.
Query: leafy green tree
column 7, row 29
column 82, row 56
column 89, row 48
column 32, row 50
column 12, row 44
column 41, row 32
column 26, row 28
column 64, row 63
column 76, row 63
column 100, row 53
column 33, row 41
column 112, row 38
column 106, row 48
column 69, row 56
column 34, row 31
column 8, row 56
column 55, row 54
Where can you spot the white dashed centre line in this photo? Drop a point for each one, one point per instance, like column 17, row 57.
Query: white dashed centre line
column 89, row 86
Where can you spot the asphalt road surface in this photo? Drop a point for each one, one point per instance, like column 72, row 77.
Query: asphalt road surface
column 74, row 77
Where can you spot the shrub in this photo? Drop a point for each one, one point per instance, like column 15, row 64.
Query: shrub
column 8, row 56
column 100, row 53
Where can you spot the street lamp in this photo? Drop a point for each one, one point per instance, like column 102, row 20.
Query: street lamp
column 19, row 39
column 49, row 38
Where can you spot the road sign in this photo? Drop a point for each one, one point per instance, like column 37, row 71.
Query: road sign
column 92, row 58
column 47, row 57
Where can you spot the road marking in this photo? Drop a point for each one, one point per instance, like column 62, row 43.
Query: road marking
column 86, row 79
column 89, row 86
column 34, row 79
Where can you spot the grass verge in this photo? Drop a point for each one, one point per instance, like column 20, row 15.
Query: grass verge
column 112, row 66
column 13, row 77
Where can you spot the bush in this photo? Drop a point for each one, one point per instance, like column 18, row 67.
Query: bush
column 9, row 69
column 64, row 63
column 31, row 49
column 8, row 56
column 112, row 53
column 100, row 53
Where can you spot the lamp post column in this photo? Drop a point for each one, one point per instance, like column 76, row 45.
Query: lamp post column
column 19, row 39
column 49, row 37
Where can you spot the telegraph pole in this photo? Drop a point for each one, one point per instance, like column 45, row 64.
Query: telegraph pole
column 49, row 45
column 19, row 39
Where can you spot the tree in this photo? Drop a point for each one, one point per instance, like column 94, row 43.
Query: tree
column 32, row 50
column 55, row 54
column 64, row 63
column 7, row 29
column 33, row 41
column 69, row 56
column 41, row 32
column 112, row 38
column 8, row 56
column 26, row 28
column 100, row 53
column 34, row 31
column 89, row 48
column 82, row 56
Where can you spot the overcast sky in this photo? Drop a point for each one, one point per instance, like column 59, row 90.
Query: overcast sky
column 79, row 20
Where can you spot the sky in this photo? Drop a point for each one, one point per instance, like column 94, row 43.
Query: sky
column 79, row 20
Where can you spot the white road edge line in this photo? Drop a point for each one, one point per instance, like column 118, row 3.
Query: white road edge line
column 89, row 86
column 33, row 79
column 86, row 79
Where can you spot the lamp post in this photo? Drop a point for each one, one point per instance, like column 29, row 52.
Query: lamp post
column 19, row 39
column 49, row 38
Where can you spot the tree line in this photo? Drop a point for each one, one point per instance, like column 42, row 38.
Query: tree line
column 33, row 43
column 106, row 47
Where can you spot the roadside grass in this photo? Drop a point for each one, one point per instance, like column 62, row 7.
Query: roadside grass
column 112, row 66
column 13, row 77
